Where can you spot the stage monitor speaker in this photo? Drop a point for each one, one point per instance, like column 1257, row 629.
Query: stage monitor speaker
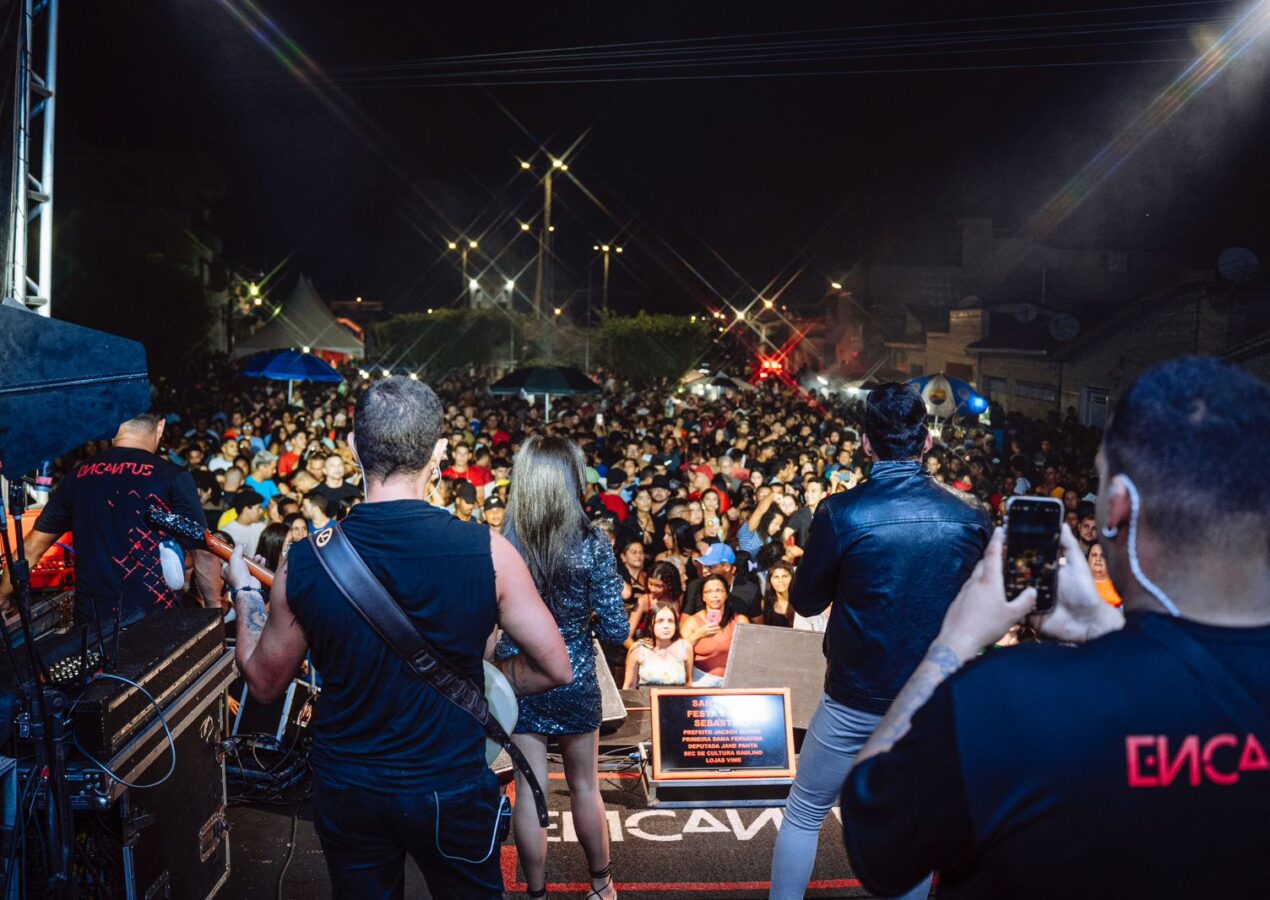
column 61, row 386
column 612, row 709
column 763, row 656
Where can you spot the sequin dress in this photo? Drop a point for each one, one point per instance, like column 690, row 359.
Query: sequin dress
column 588, row 584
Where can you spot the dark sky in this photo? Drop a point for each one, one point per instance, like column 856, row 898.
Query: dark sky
column 747, row 179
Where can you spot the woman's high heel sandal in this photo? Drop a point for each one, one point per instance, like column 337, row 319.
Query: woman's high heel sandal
column 607, row 874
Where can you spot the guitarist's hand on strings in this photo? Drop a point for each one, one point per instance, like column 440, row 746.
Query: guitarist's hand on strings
column 236, row 574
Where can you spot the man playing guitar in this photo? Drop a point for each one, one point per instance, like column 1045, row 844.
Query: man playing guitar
column 397, row 767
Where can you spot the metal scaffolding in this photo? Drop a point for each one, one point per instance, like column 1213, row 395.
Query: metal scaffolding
column 31, row 214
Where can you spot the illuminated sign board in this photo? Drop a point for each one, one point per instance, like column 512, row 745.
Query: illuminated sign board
column 724, row 734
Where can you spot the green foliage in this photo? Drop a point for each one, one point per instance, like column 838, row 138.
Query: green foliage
column 652, row 349
column 445, row 339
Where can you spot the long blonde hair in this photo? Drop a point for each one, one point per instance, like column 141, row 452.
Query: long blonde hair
column 545, row 518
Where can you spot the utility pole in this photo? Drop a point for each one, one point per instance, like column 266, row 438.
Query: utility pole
column 542, row 279
column 35, row 90
column 606, row 249
column 463, row 245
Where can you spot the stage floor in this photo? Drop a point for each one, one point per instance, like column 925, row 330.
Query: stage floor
column 680, row 854
column 658, row 854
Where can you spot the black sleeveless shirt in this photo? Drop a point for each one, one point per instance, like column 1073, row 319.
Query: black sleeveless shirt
column 377, row 724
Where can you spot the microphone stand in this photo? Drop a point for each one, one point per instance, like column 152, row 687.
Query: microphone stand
column 47, row 720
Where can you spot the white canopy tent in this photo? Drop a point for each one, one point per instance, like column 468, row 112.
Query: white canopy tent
column 304, row 321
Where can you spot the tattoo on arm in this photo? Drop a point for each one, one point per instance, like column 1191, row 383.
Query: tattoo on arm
column 251, row 611
column 940, row 662
column 513, row 669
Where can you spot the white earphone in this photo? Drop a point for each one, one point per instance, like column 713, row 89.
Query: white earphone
column 1135, row 507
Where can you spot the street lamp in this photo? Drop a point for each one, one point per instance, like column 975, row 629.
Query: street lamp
column 542, row 279
column 464, row 245
column 836, row 285
column 558, row 311
column 510, row 285
column 606, row 249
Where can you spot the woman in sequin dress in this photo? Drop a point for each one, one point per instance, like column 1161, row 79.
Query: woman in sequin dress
column 576, row 573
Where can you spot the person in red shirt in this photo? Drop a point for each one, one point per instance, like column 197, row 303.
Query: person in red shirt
column 612, row 497
column 463, row 470
column 291, row 459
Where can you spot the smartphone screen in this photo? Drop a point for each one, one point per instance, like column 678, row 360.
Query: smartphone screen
column 1032, row 527
column 714, row 616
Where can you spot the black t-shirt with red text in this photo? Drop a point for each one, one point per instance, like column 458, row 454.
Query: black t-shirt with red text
column 1106, row 770
column 103, row 501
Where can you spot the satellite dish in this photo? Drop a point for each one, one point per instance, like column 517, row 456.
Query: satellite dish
column 1025, row 312
column 1238, row 265
column 1064, row 327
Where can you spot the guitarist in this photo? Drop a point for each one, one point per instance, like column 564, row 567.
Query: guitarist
column 397, row 767
column 103, row 501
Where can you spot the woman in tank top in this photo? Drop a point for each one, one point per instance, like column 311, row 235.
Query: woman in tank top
column 668, row 661
column 710, row 633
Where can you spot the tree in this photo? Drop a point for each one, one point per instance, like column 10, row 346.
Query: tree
column 444, row 339
column 652, row 349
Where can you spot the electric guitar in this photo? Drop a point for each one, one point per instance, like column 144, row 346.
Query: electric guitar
column 498, row 690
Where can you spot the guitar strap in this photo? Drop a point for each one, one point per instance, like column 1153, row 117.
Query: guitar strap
column 346, row 568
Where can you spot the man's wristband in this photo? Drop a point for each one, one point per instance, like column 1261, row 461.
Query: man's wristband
column 234, row 592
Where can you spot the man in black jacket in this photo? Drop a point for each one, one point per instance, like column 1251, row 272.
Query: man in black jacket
column 890, row 556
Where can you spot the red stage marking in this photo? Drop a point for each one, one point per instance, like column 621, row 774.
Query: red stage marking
column 509, row 861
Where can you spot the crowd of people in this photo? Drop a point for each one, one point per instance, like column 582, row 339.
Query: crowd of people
column 658, row 524
column 708, row 503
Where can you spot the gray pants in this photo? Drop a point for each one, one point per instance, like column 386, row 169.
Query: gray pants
column 836, row 735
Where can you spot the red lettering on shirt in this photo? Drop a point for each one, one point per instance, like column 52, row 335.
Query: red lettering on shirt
column 1150, row 763
column 1132, row 745
column 1254, row 756
column 1211, row 772
column 1188, row 752
column 140, row 470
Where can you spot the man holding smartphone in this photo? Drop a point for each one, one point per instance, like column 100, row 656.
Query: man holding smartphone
column 890, row 556
column 1135, row 764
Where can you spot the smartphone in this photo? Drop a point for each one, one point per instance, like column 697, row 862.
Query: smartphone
column 714, row 616
column 1032, row 528
column 599, row 418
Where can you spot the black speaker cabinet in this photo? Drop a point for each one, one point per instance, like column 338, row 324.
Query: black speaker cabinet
column 175, row 836
column 763, row 656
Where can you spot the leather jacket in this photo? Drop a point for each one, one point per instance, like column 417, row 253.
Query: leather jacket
column 890, row 555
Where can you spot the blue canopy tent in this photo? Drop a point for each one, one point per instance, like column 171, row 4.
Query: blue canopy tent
column 946, row 396
column 290, row 366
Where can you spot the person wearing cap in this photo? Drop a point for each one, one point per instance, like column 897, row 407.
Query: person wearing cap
column 495, row 511
column 465, row 501
column 263, row 467
column 743, row 593
column 612, row 496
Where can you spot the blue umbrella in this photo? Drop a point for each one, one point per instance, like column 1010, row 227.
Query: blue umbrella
column 946, row 396
column 289, row 366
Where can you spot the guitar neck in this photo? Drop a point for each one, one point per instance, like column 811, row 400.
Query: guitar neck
column 225, row 550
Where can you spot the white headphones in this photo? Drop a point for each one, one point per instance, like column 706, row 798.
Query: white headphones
column 1135, row 507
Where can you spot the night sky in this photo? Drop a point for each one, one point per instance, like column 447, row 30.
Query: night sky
column 838, row 130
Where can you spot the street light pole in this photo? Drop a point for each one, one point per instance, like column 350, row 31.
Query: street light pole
column 463, row 245
column 606, row 249
column 542, row 279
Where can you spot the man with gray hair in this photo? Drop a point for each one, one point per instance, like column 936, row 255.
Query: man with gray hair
column 103, row 501
column 264, row 465
column 397, row 767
